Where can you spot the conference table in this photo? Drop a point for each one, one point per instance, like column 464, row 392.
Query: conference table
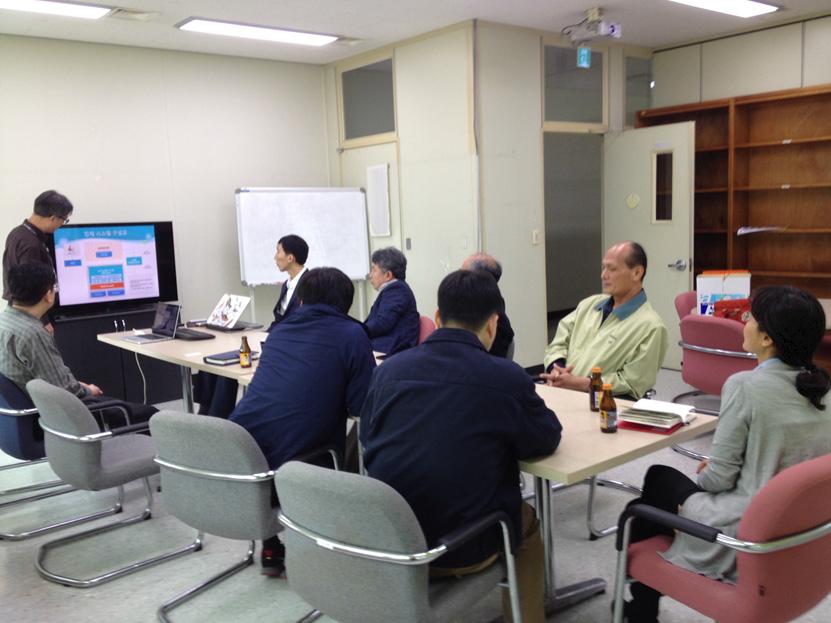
column 583, row 453
column 188, row 355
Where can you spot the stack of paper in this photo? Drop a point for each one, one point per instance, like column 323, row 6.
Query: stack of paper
column 658, row 413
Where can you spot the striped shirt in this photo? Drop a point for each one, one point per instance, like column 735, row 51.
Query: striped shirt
column 27, row 352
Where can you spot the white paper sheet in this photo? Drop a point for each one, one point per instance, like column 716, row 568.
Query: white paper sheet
column 378, row 199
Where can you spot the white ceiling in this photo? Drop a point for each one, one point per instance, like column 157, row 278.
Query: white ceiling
column 375, row 23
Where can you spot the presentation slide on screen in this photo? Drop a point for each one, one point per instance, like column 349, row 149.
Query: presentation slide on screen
column 107, row 263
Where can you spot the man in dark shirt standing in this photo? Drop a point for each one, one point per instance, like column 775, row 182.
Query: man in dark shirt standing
column 28, row 242
column 445, row 424
column 314, row 371
column 504, row 332
column 393, row 320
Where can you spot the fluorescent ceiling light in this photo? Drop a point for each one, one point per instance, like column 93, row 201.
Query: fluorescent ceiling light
column 739, row 8
column 64, row 9
column 263, row 33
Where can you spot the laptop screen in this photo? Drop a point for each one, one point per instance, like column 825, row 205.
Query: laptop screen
column 166, row 320
column 228, row 310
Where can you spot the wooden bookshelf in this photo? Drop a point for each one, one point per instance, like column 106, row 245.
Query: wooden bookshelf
column 762, row 161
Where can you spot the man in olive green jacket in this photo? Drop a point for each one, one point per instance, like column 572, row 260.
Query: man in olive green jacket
column 617, row 330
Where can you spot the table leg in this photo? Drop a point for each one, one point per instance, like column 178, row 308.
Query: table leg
column 557, row 599
column 187, row 388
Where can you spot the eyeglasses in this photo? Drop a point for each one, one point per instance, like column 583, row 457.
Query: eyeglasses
column 64, row 220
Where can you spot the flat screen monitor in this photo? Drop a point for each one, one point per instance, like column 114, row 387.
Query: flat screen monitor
column 104, row 267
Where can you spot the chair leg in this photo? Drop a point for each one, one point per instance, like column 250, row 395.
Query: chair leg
column 189, row 594
column 48, row 484
column 59, row 525
column 620, row 575
column 116, row 573
column 313, row 615
column 52, row 488
column 689, row 394
column 598, row 533
column 689, row 453
column 510, row 563
column 594, row 532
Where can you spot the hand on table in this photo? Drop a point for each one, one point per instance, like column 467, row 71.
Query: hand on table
column 562, row 377
column 93, row 390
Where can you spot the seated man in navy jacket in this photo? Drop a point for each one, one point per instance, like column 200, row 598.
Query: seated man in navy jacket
column 446, row 423
column 393, row 321
column 314, row 371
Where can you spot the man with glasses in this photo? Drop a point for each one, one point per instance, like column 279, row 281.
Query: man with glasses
column 28, row 241
column 393, row 320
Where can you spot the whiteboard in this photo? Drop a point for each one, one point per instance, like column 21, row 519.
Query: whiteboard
column 331, row 220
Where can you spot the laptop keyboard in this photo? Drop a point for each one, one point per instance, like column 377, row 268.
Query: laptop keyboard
column 190, row 334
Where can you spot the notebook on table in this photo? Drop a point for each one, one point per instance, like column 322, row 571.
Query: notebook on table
column 226, row 314
column 164, row 326
column 656, row 416
column 228, row 358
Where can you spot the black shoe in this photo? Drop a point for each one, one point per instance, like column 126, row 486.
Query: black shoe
column 631, row 615
column 273, row 559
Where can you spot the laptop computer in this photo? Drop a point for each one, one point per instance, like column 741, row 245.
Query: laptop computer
column 225, row 316
column 164, row 326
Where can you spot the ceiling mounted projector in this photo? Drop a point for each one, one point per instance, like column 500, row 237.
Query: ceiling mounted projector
column 593, row 27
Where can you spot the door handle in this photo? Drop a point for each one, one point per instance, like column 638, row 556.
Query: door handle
column 679, row 265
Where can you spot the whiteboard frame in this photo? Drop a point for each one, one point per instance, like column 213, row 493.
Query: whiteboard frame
column 298, row 189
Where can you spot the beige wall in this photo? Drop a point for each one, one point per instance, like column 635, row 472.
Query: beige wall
column 509, row 108
column 431, row 166
column 786, row 57
column 436, row 164
column 133, row 134
column 817, row 52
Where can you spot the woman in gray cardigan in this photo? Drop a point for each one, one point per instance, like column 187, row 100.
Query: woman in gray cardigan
column 771, row 417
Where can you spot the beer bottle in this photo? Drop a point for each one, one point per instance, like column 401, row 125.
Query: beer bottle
column 244, row 353
column 595, row 389
column 608, row 410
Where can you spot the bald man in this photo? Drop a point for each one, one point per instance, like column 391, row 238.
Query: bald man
column 504, row 332
column 617, row 330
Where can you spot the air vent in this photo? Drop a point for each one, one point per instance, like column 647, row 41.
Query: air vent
column 133, row 16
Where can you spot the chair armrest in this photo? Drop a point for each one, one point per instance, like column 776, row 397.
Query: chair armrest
column 95, row 437
column 670, row 520
column 108, row 404
column 307, row 457
column 18, row 412
column 463, row 534
column 709, row 350
column 130, row 429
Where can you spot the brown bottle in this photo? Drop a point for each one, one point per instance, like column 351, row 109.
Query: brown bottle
column 244, row 353
column 595, row 389
column 608, row 410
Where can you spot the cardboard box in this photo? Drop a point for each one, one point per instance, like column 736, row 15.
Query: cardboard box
column 719, row 285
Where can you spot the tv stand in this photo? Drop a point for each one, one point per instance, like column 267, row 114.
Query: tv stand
column 114, row 370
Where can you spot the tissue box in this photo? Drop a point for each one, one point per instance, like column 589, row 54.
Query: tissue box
column 715, row 285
